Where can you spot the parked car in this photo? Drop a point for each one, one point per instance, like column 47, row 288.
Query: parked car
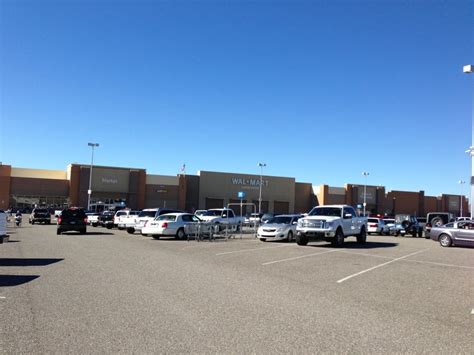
column 120, row 215
column 106, row 219
column 222, row 217
column 377, row 226
column 40, row 215
column 148, row 215
column 421, row 222
column 93, row 218
column 454, row 233
column 200, row 212
column 127, row 220
column 410, row 224
column 393, row 227
column 3, row 226
column 332, row 223
column 437, row 219
column 282, row 227
column 72, row 219
column 169, row 225
column 266, row 216
column 253, row 218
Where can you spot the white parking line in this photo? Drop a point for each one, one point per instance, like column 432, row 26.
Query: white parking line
column 472, row 311
column 2, row 297
column 255, row 249
column 299, row 257
column 380, row 265
column 365, row 254
column 441, row 264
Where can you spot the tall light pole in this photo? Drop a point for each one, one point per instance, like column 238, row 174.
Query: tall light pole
column 469, row 69
column 365, row 189
column 461, row 182
column 261, row 165
column 89, row 192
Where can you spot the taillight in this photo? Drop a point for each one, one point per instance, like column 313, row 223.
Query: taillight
column 59, row 220
column 373, row 225
column 428, row 225
column 164, row 225
column 85, row 220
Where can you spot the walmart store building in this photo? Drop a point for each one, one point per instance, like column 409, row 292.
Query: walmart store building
column 23, row 187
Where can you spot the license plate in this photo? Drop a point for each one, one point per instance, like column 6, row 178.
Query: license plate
column 72, row 222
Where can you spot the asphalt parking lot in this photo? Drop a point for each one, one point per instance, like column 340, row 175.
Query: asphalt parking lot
column 110, row 292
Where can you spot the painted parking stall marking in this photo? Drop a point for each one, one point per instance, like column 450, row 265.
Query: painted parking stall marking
column 299, row 257
column 254, row 249
column 379, row 266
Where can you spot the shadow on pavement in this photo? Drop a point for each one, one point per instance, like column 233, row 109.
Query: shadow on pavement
column 13, row 241
column 15, row 280
column 355, row 245
column 27, row 261
column 88, row 233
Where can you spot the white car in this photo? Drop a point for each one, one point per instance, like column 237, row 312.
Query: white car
column 147, row 216
column 121, row 215
column 282, row 227
column 170, row 225
column 377, row 225
column 93, row 218
column 394, row 228
column 3, row 226
column 199, row 213
column 126, row 220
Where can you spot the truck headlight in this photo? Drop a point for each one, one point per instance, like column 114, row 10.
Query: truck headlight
column 328, row 225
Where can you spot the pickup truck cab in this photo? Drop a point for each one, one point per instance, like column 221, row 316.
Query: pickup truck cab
column 222, row 216
column 331, row 223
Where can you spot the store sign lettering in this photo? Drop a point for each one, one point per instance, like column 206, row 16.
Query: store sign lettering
column 109, row 181
column 249, row 182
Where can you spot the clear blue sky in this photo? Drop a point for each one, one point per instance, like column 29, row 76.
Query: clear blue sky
column 318, row 90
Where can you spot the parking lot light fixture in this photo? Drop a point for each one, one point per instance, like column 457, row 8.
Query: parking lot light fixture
column 469, row 69
column 365, row 189
column 261, row 165
column 89, row 192
column 461, row 182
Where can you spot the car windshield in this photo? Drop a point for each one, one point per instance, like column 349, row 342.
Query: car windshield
column 326, row 211
column 401, row 218
column 213, row 213
column 166, row 217
column 280, row 220
column 147, row 214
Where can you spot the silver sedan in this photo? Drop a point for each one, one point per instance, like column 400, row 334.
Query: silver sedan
column 456, row 233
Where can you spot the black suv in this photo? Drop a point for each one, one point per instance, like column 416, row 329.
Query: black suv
column 40, row 215
column 72, row 219
column 410, row 224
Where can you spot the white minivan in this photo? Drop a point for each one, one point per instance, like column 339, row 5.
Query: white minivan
column 3, row 225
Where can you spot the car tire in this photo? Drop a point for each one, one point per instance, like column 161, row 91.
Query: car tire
column 437, row 222
column 83, row 231
column 445, row 240
column 302, row 239
column 420, row 234
column 362, row 236
column 109, row 226
column 130, row 230
column 32, row 222
column 155, row 236
column 144, row 235
column 58, row 232
column 263, row 240
column 180, row 235
column 338, row 240
column 289, row 238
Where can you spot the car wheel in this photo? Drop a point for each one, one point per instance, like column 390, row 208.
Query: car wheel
column 361, row 237
column 301, row 239
column 155, row 236
column 445, row 240
column 338, row 240
column 289, row 237
column 263, row 240
column 130, row 230
column 32, row 222
column 144, row 235
column 180, row 234
column 58, row 232
column 108, row 226
column 83, row 231
column 420, row 234
column 437, row 222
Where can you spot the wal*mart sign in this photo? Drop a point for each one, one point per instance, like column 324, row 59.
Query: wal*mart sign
column 249, row 182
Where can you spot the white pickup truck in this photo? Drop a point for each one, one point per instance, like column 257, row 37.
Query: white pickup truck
column 223, row 217
column 331, row 223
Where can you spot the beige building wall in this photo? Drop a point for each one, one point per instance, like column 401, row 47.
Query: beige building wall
column 162, row 180
column 39, row 174
column 225, row 186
